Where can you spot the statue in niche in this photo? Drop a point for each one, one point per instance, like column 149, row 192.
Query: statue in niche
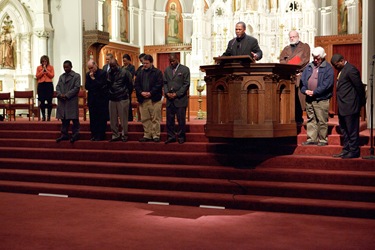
column 7, row 45
column 343, row 18
column 107, row 16
column 173, row 19
column 123, row 24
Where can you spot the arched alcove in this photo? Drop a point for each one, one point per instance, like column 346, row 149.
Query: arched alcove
column 284, row 103
column 221, row 103
column 252, row 104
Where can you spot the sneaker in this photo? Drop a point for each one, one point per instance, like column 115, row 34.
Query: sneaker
column 115, row 139
column 309, row 143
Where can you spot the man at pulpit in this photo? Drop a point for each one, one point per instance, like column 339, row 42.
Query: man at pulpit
column 243, row 44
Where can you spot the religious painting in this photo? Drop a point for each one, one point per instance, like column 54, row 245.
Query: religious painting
column 342, row 15
column 174, row 22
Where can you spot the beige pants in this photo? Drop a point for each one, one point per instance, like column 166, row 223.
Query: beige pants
column 150, row 118
column 317, row 120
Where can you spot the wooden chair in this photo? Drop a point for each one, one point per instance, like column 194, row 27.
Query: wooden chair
column 54, row 103
column 5, row 101
column 135, row 106
column 23, row 100
column 82, row 102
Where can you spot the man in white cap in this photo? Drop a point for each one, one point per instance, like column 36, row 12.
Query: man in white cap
column 317, row 85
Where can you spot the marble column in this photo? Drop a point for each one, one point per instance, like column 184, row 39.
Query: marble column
column 353, row 18
column 326, row 21
column 116, row 6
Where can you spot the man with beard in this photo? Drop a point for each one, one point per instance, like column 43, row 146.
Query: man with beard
column 297, row 53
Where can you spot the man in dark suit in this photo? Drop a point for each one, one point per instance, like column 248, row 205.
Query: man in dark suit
column 176, row 86
column 243, row 44
column 108, row 57
column 96, row 84
column 350, row 98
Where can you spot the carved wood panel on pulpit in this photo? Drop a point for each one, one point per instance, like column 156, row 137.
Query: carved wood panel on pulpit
column 250, row 100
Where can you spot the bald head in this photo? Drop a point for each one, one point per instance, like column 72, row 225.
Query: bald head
column 92, row 66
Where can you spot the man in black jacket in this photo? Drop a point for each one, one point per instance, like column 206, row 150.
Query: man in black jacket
column 148, row 87
column 97, row 100
column 120, row 85
column 243, row 44
column 350, row 98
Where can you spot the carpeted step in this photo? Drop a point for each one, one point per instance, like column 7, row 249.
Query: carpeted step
column 341, row 177
column 240, row 160
column 208, row 185
column 105, row 145
column 252, row 202
column 318, row 162
column 85, row 135
column 196, row 127
column 189, row 146
column 260, row 174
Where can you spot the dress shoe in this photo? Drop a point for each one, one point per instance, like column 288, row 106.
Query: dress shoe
column 156, row 139
column 48, row 119
column 62, row 138
column 43, row 119
column 350, row 155
column 124, row 139
column 170, row 140
column 341, row 154
column 308, row 143
column 93, row 138
column 181, row 140
column 73, row 139
column 322, row 144
column 115, row 139
column 144, row 139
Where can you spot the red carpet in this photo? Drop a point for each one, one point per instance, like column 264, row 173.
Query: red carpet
column 265, row 175
column 35, row 222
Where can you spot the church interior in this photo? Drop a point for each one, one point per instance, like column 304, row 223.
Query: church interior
column 242, row 174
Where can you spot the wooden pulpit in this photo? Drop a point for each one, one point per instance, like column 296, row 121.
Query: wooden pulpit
column 250, row 100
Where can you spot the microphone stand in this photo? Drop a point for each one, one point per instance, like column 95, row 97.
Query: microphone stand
column 371, row 156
